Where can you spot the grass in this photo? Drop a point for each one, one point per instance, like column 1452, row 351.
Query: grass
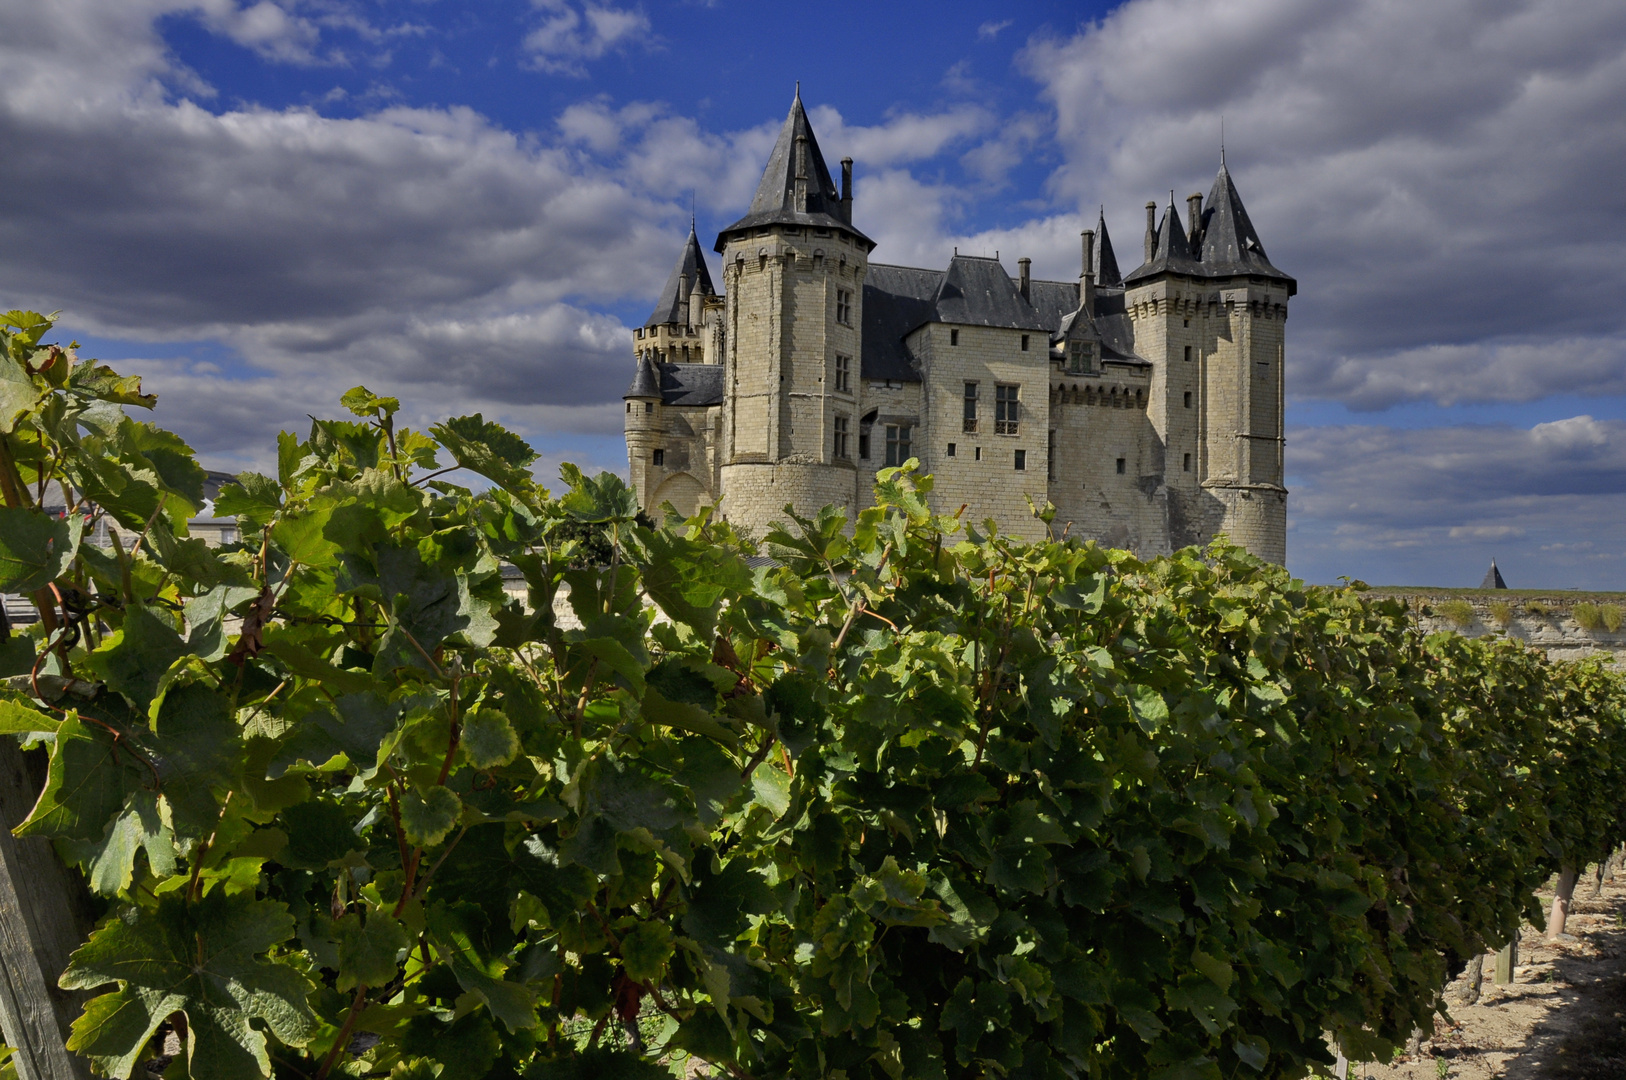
column 1538, row 609
column 1460, row 613
column 1588, row 616
column 1501, row 613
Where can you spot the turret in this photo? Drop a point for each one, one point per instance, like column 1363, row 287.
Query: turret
column 793, row 272
column 1208, row 309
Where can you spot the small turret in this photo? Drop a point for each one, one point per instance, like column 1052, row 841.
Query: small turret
column 1493, row 578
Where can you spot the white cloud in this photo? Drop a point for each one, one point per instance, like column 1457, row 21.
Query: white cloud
column 268, row 29
column 572, row 33
column 1395, row 505
column 988, row 31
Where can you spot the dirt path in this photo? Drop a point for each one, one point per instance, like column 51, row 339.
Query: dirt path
column 1563, row 1016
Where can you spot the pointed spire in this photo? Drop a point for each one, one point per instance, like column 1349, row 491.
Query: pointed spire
column 690, row 270
column 1230, row 245
column 646, row 382
column 1493, row 578
column 1107, row 274
column 796, row 187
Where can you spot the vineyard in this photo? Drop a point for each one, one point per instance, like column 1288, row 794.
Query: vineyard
column 907, row 798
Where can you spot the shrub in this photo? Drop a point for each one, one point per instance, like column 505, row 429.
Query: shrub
column 1459, row 613
column 1611, row 614
column 1588, row 616
column 1537, row 608
column 1501, row 613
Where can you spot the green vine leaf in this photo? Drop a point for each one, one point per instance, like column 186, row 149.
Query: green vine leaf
column 429, row 817
column 489, row 739
column 205, row 961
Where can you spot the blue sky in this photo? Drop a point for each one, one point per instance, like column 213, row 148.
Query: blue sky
column 258, row 204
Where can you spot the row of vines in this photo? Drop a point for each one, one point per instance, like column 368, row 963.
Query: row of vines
column 907, row 799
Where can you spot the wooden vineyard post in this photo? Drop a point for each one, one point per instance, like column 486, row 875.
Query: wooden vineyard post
column 41, row 922
column 1507, row 961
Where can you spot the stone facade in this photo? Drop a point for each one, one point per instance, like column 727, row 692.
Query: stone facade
column 1147, row 408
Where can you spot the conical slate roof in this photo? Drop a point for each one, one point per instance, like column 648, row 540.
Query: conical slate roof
column 646, row 383
column 1173, row 252
column 1230, row 246
column 1107, row 274
column 776, row 202
column 669, row 308
column 1493, row 578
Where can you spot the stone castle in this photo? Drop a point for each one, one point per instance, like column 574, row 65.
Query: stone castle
column 1147, row 407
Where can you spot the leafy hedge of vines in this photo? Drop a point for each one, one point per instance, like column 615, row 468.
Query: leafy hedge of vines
column 909, row 799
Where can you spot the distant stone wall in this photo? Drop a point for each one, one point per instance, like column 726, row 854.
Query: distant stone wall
column 1544, row 622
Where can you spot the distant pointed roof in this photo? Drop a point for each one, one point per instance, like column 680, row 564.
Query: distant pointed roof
column 775, row 200
column 1106, row 270
column 1493, row 578
column 1173, row 251
column 669, row 308
column 646, row 383
column 1230, row 246
column 978, row 292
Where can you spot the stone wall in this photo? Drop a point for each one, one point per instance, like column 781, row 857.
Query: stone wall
column 1544, row 621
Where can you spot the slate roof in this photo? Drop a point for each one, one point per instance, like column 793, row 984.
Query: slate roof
column 1493, row 578
column 1107, row 274
column 1227, row 244
column 691, row 384
column 897, row 299
column 1230, row 246
column 973, row 292
column 646, row 382
column 669, row 308
column 976, row 291
column 775, row 200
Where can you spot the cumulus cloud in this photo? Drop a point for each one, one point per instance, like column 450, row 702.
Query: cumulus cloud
column 1439, row 177
column 570, row 34
column 1400, row 506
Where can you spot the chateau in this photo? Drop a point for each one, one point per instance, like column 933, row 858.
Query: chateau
column 1146, row 406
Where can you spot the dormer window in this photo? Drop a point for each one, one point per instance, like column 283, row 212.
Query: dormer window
column 1080, row 357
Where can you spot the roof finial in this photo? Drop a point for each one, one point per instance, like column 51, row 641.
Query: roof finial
column 1222, row 140
column 798, row 90
column 691, row 210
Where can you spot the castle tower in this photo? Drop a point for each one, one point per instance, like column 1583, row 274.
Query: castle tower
column 1208, row 309
column 677, row 379
column 794, row 270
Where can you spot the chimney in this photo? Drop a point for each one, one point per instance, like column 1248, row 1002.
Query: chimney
column 847, row 190
column 1024, row 276
column 1086, row 278
column 801, row 174
column 1194, row 215
column 1151, row 230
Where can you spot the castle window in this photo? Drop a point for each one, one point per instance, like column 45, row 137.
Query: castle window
column 1050, row 457
column 897, row 444
column 970, row 424
column 950, row 449
column 821, row 232
column 840, row 447
column 629, row 406
column 844, row 307
column 1081, row 358
column 638, row 333
column 1188, row 399
column 685, row 354
column 844, row 374
column 1185, row 462
column 1007, row 409
column 863, row 444
column 1024, row 343
column 954, row 337
column 1188, row 354
column 979, row 453
column 1021, row 461
column 1122, row 466
column 659, row 457
column 649, row 406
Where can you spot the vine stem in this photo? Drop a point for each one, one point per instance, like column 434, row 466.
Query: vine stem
column 343, row 1038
